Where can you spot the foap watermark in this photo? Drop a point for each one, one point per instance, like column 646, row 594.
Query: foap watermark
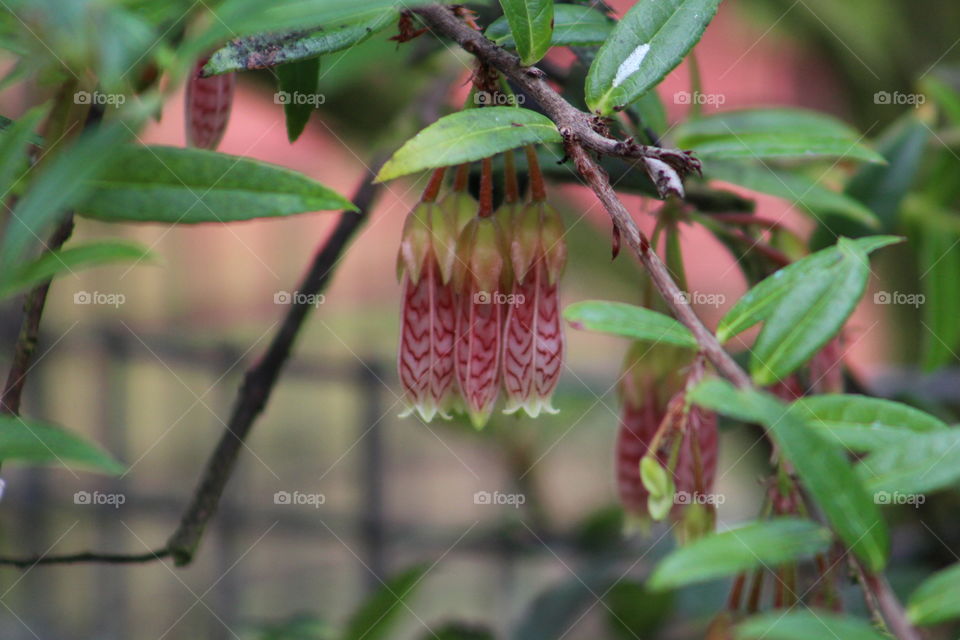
column 98, row 497
column 899, row 98
column 298, row 97
column 296, row 297
column 104, row 99
column 701, row 298
column 299, row 498
column 486, row 99
column 896, row 497
column 898, row 297
column 512, row 499
column 696, row 97
column 99, row 298
column 685, row 497
column 495, row 297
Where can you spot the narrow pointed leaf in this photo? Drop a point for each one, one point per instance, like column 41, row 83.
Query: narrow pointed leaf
column 375, row 618
column 297, row 88
column 806, row 625
column 629, row 321
column 34, row 442
column 531, row 23
column 572, row 25
column 925, row 462
column 645, row 45
column 13, row 146
column 935, row 600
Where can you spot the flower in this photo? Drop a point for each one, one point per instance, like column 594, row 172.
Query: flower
column 207, row 107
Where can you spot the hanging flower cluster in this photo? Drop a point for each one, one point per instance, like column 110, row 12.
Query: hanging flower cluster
column 481, row 299
column 666, row 451
column 207, row 106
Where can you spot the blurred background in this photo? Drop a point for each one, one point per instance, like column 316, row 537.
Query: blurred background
column 151, row 371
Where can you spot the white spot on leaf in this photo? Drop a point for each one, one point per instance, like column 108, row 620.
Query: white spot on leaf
column 632, row 63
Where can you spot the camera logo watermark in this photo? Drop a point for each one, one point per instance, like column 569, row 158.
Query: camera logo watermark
column 486, row 99
column 512, row 499
column 296, row 97
column 98, row 498
column 896, row 497
column 897, row 297
column 299, row 498
column 898, row 98
column 98, row 298
column 685, row 497
column 296, row 297
column 686, row 97
column 105, row 99
column 700, row 298
column 495, row 297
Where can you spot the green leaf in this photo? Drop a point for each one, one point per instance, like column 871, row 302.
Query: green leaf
column 377, row 615
column 184, row 186
column 34, row 442
column 645, row 45
column 629, row 321
column 531, row 23
column 808, row 315
column 758, row 544
column 938, row 262
column 822, row 467
column 243, row 54
column 556, row 609
column 758, row 121
column 53, row 263
column 946, row 97
column 925, row 462
column 806, row 625
column 573, row 25
column 935, row 600
column 469, row 135
column 861, row 423
column 298, row 85
column 759, row 302
column 798, row 189
column 13, row 147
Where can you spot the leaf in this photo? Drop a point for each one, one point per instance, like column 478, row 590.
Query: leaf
column 555, row 610
column 53, row 263
column 531, row 23
column 925, row 462
column 938, row 262
column 629, row 321
column 808, row 315
column 821, row 465
column 244, row 54
column 645, row 45
column 469, row 135
column 184, row 186
column 376, row 616
column 572, row 25
column 757, row 121
column 935, row 600
column 796, row 188
column 861, row 423
column 763, row 544
column 298, row 82
column 13, row 147
column 805, row 625
column 23, row 440
column 634, row 611
column 459, row 631
column 757, row 304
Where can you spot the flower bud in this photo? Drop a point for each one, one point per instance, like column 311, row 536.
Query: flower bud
column 208, row 102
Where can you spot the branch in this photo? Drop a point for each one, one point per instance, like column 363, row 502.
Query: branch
column 886, row 599
column 257, row 386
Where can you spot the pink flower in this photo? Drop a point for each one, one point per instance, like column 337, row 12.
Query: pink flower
column 208, row 102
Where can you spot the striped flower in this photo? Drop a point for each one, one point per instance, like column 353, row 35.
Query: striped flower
column 208, row 102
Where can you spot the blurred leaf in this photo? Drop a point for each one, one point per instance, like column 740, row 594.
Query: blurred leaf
column 572, row 25
column 757, row 121
column 558, row 608
column 459, row 631
column 30, row 441
column 806, row 625
column 633, row 611
column 375, row 618
column 271, row 49
column 469, row 135
column 809, row 315
column 184, row 186
column 796, row 188
column 764, row 544
column 938, row 261
column 822, row 467
column 760, row 301
column 862, row 423
column 531, row 23
column 301, row 627
column 649, row 109
column 298, row 79
column 649, row 41
column 946, row 97
column 629, row 321
column 925, row 462
column 935, row 600
column 53, row 263
column 13, row 147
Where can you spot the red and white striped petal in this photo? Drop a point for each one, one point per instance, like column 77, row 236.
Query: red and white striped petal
column 479, row 324
column 533, row 344
column 425, row 359
column 638, row 424
column 701, row 429
column 208, row 104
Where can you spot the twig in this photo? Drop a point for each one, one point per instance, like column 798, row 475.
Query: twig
column 888, row 604
column 257, row 385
